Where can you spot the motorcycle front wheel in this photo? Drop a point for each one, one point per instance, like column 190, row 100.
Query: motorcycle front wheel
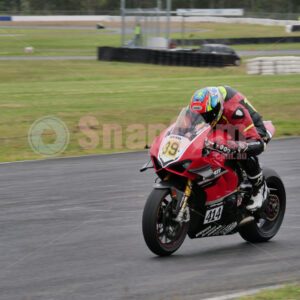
column 162, row 234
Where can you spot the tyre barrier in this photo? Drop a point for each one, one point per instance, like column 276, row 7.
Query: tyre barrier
column 273, row 65
column 238, row 41
column 164, row 57
column 292, row 28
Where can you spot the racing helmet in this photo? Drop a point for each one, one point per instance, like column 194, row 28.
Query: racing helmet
column 209, row 103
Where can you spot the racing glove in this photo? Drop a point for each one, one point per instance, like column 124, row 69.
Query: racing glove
column 251, row 148
column 232, row 147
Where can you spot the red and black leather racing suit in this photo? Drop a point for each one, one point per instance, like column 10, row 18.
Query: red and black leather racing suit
column 239, row 113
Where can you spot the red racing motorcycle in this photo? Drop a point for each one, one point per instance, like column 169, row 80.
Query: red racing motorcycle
column 202, row 192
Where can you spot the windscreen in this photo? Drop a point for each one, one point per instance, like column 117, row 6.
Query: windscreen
column 188, row 124
column 187, row 127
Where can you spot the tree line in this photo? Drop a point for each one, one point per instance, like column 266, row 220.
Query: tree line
column 113, row 6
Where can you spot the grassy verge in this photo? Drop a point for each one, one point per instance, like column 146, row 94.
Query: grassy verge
column 267, row 46
column 60, row 42
column 290, row 292
column 221, row 30
column 53, row 42
column 124, row 94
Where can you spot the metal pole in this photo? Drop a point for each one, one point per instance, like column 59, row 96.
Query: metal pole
column 168, row 21
column 159, row 4
column 146, row 31
column 158, row 16
column 182, row 30
column 123, row 6
column 157, row 22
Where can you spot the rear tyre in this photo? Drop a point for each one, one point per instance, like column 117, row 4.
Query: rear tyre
column 265, row 229
column 162, row 234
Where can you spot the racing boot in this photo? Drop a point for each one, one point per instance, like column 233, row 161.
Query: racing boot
column 260, row 191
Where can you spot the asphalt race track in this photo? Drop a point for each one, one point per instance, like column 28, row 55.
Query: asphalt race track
column 71, row 229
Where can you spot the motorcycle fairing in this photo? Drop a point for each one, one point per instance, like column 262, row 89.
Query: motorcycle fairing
column 222, row 184
column 217, row 230
column 168, row 155
column 207, row 223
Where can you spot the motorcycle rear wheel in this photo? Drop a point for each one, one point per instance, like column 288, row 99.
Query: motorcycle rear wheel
column 162, row 234
column 266, row 229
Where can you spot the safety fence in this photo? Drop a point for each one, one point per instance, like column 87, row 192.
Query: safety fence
column 238, row 41
column 273, row 65
column 164, row 57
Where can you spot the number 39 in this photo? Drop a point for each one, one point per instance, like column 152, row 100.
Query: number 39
column 171, row 148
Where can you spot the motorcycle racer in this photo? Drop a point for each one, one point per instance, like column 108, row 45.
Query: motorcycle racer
column 223, row 107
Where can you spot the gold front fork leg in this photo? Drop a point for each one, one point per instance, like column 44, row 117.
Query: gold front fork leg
column 184, row 213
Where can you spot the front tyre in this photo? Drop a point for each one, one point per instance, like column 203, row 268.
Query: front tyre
column 162, row 234
column 264, row 229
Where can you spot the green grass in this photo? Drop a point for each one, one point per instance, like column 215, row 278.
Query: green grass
column 220, row 30
column 125, row 94
column 290, row 292
column 267, row 46
column 46, row 30
column 120, row 93
column 53, row 42
column 69, row 42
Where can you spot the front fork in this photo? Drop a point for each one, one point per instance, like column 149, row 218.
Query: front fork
column 184, row 212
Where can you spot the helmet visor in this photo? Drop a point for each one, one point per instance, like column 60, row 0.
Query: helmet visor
column 210, row 116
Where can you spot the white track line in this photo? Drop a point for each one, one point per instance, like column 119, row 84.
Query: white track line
column 244, row 293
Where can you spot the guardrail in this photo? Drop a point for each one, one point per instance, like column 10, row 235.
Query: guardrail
column 238, row 41
column 273, row 65
column 165, row 57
